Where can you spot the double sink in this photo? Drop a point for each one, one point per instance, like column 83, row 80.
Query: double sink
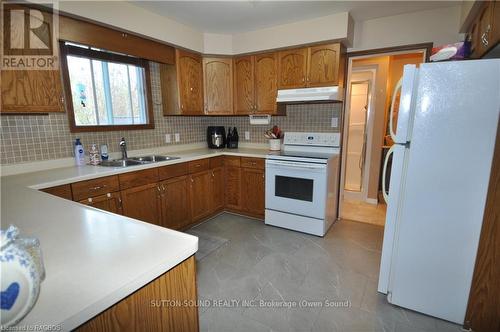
column 135, row 161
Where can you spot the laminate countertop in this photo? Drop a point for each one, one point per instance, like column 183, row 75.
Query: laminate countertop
column 92, row 258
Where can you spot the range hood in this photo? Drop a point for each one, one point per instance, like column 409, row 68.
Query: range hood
column 310, row 95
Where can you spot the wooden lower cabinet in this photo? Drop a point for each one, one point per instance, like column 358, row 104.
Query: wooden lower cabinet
column 175, row 203
column 233, row 187
column 199, row 194
column 143, row 203
column 217, row 190
column 142, row 310
column 253, row 191
column 63, row 191
column 111, row 202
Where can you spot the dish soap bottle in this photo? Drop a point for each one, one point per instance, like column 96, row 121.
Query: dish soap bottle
column 79, row 153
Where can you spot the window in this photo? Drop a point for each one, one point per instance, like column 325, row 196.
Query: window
column 105, row 90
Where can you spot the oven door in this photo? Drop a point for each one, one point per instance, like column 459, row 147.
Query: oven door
column 296, row 187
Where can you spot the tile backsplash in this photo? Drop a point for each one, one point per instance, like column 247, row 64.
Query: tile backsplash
column 28, row 138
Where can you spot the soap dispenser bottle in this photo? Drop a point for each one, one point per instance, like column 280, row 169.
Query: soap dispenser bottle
column 79, row 153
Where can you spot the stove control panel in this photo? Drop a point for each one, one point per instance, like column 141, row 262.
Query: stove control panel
column 312, row 139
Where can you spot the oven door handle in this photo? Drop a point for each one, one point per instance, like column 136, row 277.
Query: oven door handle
column 295, row 165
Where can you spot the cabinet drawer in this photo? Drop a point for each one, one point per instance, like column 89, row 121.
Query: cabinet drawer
column 257, row 163
column 91, row 188
column 216, row 162
column 63, row 191
column 139, row 178
column 198, row 165
column 172, row 171
column 232, row 161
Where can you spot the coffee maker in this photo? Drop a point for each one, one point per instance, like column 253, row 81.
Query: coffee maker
column 216, row 137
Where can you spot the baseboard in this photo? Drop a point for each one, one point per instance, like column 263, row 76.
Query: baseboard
column 373, row 201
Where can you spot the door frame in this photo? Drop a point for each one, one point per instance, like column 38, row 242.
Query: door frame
column 372, row 69
column 425, row 48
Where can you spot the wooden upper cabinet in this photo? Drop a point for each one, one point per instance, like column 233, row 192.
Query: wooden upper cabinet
column 323, row 65
column 495, row 23
column 218, row 85
column 190, row 82
column 292, row 68
column 484, row 31
column 31, row 91
column 313, row 66
column 244, row 85
column 266, row 82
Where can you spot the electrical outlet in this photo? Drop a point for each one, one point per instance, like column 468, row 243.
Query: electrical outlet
column 177, row 137
column 168, row 138
column 335, row 122
column 247, row 135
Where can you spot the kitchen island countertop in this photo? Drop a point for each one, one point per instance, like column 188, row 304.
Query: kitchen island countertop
column 93, row 258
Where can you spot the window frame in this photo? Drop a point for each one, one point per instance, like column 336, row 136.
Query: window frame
column 66, row 50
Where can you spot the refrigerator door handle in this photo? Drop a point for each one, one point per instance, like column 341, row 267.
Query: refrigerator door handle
column 384, row 171
column 398, row 87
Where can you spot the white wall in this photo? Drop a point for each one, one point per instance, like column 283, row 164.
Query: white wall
column 133, row 18
column 314, row 30
column 214, row 43
column 439, row 26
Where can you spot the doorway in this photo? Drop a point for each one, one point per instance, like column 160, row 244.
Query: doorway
column 371, row 80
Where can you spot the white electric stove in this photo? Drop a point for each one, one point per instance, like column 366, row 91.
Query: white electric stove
column 302, row 182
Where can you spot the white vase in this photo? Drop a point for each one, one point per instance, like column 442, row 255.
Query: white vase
column 274, row 144
column 22, row 271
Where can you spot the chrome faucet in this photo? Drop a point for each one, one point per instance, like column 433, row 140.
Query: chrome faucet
column 123, row 147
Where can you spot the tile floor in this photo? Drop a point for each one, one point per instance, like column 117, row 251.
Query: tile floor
column 364, row 212
column 266, row 263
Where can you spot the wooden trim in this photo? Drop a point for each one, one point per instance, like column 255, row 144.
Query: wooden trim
column 409, row 47
column 64, row 50
column 483, row 309
column 143, row 309
column 102, row 55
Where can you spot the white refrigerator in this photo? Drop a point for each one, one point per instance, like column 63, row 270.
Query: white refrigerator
column 442, row 156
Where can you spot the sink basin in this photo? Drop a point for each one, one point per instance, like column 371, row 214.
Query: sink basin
column 120, row 163
column 153, row 158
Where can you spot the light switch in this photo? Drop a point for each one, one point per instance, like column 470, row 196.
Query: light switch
column 247, row 135
column 168, row 138
column 177, row 137
column 335, row 122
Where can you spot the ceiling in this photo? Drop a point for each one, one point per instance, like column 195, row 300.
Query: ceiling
column 229, row 17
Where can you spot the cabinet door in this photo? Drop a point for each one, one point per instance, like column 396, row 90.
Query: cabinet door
column 292, row 68
column 217, row 189
column 31, row 91
column 190, row 81
column 218, row 85
column 109, row 202
column 143, row 203
column 266, row 82
column 323, row 65
column 495, row 23
column 253, row 191
column 485, row 27
column 244, row 85
column 199, row 194
column 233, row 187
column 175, row 202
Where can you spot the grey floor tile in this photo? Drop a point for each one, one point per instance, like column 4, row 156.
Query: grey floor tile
column 266, row 263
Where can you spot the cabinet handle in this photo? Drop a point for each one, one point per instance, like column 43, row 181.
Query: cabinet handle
column 90, row 200
column 192, row 181
column 190, row 89
column 303, row 79
column 158, row 188
column 213, row 175
column 484, row 38
column 163, row 187
column 182, row 106
column 97, row 187
column 108, row 195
